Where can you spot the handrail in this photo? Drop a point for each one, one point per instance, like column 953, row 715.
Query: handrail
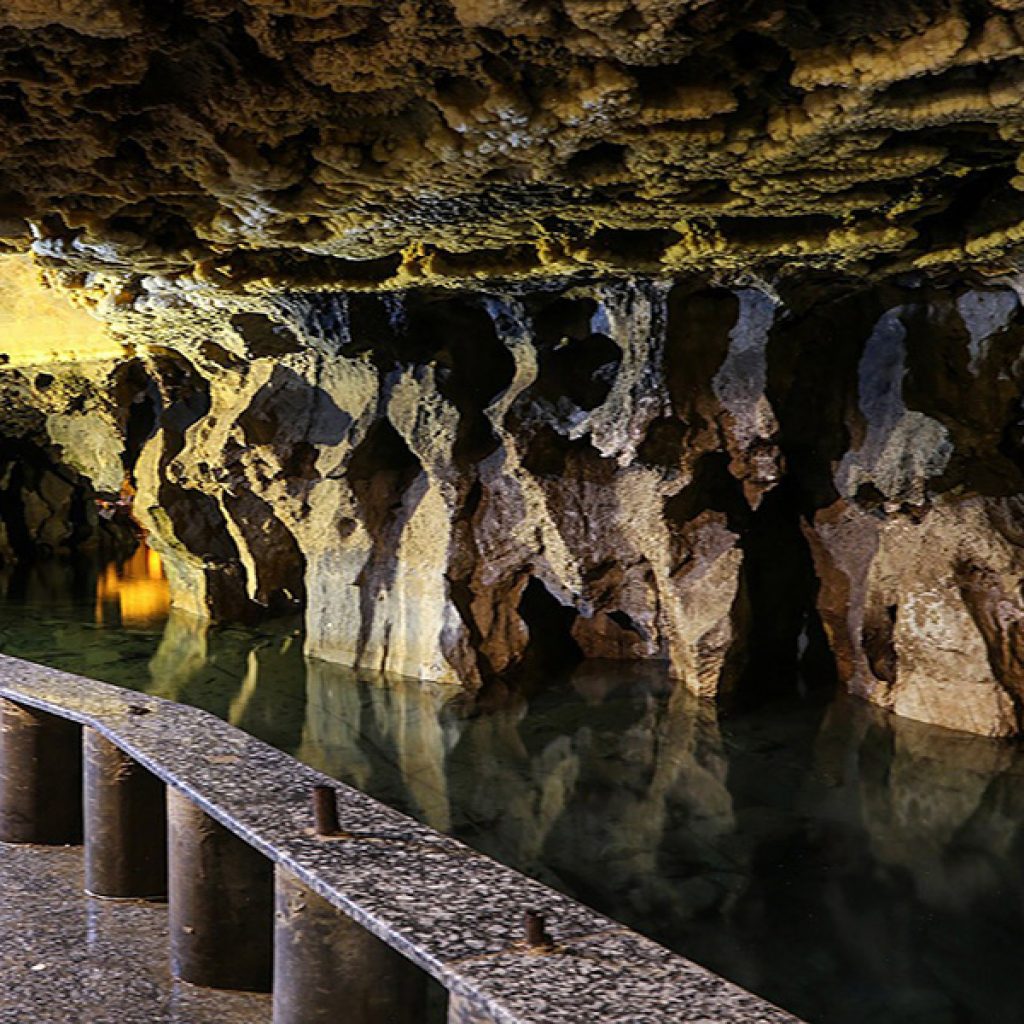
column 453, row 912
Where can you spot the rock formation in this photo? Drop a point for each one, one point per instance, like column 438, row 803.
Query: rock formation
column 343, row 142
column 495, row 334
column 56, row 454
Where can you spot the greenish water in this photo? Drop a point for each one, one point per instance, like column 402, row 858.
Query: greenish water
column 849, row 866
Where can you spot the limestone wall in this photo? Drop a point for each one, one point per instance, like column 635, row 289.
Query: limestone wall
column 471, row 487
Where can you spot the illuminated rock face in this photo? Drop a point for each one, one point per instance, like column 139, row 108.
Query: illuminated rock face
column 61, row 441
column 473, row 486
column 464, row 486
column 903, row 425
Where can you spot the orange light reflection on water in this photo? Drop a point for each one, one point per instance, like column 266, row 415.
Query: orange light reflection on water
column 136, row 588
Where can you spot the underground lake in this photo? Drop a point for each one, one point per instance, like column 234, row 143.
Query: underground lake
column 844, row 863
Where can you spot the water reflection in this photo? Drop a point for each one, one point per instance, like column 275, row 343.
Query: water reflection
column 133, row 592
column 845, row 864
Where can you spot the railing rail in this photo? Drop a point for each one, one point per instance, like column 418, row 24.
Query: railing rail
column 354, row 882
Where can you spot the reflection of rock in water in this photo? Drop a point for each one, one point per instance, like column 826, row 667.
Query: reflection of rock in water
column 181, row 656
column 271, row 700
column 884, row 865
column 388, row 738
column 254, row 681
column 849, row 865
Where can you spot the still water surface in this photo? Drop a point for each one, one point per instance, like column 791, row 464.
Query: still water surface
column 849, row 866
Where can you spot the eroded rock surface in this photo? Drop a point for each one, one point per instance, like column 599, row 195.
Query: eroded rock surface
column 342, row 143
column 59, row 447
column 464, row 487
column 470, row 487
column 910, row 467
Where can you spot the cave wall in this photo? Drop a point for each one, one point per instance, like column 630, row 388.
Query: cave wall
column 499, row 333
column 905, row 419
column 758, row 488
column 61, row 464
column 466, row 485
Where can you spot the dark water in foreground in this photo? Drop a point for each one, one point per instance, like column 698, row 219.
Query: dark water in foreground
column 849, row 866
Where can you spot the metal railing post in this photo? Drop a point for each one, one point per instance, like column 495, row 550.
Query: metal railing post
column 125, row 824
column 221, row 897
column 40, row 777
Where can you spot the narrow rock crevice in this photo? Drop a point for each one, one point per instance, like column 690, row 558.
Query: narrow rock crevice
column 550, row 647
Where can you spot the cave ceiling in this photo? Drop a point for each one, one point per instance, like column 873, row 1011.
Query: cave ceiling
column 337, row 143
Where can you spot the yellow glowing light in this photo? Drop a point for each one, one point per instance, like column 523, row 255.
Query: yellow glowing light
column 136, row 587
column 38, row 326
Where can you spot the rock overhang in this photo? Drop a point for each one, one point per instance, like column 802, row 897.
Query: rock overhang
column 250, row 144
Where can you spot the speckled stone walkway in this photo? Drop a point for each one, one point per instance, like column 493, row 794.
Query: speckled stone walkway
column 66, row 958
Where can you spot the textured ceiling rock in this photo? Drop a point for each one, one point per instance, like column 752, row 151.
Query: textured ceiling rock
column 359, row 144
